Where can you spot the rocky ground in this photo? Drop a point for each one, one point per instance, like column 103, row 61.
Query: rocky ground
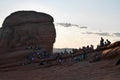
column 102, row 70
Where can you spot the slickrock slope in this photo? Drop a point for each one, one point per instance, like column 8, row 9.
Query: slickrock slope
column 104, row 69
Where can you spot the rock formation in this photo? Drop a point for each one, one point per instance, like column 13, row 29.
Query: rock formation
column 24, row 29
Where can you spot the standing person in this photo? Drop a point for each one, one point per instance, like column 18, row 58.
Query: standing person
column 108, row 42
column 102, row 42
column 83, row 55
column 59, row 58
column 92, row 47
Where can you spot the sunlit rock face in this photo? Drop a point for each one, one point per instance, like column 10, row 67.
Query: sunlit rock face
column 24, row 29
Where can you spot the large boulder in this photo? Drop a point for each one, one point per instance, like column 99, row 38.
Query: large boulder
column 24, row 29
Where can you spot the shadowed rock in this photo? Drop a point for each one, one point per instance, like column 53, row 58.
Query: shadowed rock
column 24, row 29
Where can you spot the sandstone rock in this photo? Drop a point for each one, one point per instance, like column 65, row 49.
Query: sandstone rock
column 23, row 17
column 24, row 29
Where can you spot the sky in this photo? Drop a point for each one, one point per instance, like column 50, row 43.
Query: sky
column 100, row 17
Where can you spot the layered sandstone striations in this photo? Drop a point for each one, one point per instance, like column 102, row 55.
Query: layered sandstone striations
column 24, row 29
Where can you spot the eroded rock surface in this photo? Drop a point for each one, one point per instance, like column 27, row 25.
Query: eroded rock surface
column 24, row 29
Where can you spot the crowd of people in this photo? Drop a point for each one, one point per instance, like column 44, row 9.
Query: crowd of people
column 75, row 55
column 42, row 55
column 103, row 43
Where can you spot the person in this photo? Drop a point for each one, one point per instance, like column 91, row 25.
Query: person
column 59, row 58
column 30, row 58
column 92, row 47
column 83, row 55
column 108, row 42
column 95, row 58
column 65, row 52
column 118, row 62
column 105, row 43
column 102, row 42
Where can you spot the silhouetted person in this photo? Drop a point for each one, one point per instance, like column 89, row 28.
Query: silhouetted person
column 102, row 42
column 108, row 42
column 65, row 51
column 59, row 58
column 30, row 58
column 83, row 55
column 95, row 58
column 92, row 47
column 118, row 62
column 105, row 43
column 74, row 51
column 87, row 47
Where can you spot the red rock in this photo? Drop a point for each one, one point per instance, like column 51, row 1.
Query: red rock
column 24, row 29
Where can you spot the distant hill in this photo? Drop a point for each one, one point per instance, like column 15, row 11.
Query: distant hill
column 57, row 50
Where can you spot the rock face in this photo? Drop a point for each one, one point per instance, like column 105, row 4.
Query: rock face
column 24, row 29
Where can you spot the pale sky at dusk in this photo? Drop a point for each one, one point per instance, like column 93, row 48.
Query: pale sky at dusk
column 100, row 16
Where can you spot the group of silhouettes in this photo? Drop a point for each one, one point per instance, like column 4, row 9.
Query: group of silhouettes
column 42, row 54
column 104, row 43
